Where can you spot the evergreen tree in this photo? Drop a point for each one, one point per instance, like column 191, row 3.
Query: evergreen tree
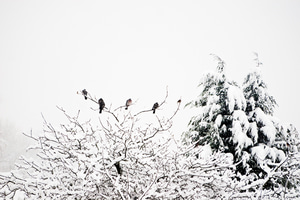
column 240, row 121
column 222, row 122
column 273, row 141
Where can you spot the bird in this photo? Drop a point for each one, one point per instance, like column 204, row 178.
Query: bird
column 179, row 101
column 155, row 106
column 84, row 92
column 118, row 167
column 128, row 103
column 101, row 105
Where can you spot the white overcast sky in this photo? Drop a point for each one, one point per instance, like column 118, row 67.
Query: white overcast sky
column 119, row 49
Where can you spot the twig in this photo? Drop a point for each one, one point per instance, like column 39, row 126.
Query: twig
column 149, row 187
column 142, row 112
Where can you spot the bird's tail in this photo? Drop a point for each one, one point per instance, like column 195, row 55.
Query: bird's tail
column 153, row 111
column 85, row 97
column 100, row 110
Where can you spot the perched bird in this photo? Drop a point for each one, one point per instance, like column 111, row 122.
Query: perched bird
column 84, row 92
column 179, row 101
column 128, row 103
column 101, row 105
column 155, row 106
column 118, row 167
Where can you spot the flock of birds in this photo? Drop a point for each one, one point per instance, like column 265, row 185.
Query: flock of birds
column 127, row 104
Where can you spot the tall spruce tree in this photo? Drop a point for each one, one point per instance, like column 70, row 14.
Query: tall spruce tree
column 222, row 121
column 240, row 121
column 273, row 141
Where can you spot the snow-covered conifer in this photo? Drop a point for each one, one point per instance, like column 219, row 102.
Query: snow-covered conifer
column 241, row 122
column 221, row 122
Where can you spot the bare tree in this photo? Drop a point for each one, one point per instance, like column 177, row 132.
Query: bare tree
column 117, row 159
column 121, row 157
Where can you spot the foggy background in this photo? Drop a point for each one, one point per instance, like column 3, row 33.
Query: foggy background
column 117, row 50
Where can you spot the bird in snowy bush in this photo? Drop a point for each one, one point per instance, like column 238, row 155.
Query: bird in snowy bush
column 101, row 105
column 128, row 103
column 118, row 167
column 155, row 106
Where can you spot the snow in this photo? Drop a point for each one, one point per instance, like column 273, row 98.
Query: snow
column 218, row 120
column 240, row 137
column 212, row 99
column 205, row 152
column 239, row 115
column 245, row 128
column 266, row 155
column 236, row 99
column 268, row 128
column 239, row 129
column 270, row 132
column 279, row 154
column 260, row 152
column 213, row 110
column 253, row 131
column 19, row 195
column 252, row 103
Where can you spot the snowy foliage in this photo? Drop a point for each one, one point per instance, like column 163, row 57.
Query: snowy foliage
column 234, row 149
column 221, row 116
column 121, row 158
column 241, row 122
column 256, row 94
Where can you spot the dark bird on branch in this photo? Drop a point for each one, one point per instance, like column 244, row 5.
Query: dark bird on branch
column 128, row 103
column 118, row 167
column 84, row 92
column 101, row 105
column 155, row 106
